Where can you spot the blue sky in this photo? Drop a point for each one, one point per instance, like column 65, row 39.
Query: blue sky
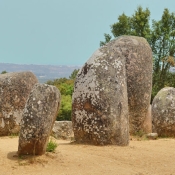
column 62, row 32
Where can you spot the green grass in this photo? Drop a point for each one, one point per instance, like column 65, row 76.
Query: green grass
column 51, row 146
column 13, row 135
column 139, row 133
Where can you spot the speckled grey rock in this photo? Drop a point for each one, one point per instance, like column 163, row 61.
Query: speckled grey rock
column 63, row 130
column 100, row 102
column 163, row 112
column 14, row 91
column 152, row 136
column 147, row 125
column 138, row 55
column 100, row 107
column 38, row 118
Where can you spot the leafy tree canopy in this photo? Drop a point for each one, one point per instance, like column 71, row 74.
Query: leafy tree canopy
column 161, row 37
column 74, row 74
column 65, row 87
column 4, row 72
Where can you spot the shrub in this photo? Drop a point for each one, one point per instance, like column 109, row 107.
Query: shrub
column 51, row 146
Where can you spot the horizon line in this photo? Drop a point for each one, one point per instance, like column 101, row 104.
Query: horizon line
column 41, row 64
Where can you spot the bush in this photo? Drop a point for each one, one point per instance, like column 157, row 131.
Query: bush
column 65, row 108
column 65, row 87
column 51, row 146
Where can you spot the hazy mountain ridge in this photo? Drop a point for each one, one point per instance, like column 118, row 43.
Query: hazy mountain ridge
column 42, row 72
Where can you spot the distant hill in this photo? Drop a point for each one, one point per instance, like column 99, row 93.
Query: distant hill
column 42, row 72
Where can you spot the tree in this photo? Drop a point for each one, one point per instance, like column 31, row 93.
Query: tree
column 65, row 87
column 140, row 23
column 65, row 108
column 4, row 72
column 161, row 37
column 162, row 42
column 122, row 27
column 74, row 74
column 137, row 24
column 107, row 39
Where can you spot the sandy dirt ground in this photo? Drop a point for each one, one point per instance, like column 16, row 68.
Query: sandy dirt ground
column 146, row 157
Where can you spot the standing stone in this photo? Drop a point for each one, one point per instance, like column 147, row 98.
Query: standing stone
column 163, row 112
column 102, row 96
column 14, row 91
column 100, row 102
column 138, row 55
column 38, row 118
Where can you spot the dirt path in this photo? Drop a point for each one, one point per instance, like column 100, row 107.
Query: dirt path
column 150, row 157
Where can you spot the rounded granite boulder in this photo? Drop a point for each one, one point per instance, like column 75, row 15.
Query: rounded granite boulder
column 163, row 112
column 15, row 88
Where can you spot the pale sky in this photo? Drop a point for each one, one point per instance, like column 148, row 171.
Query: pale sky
column 62, row 32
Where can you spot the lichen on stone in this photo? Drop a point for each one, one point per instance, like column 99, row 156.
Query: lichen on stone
column 163, row 112
column 38, row 118
column 14, row 91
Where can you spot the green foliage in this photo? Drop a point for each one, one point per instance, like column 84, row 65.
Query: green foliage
column 161, row 37
column 137, row 25
column 66, row 108
column 139, row 133
column 107, row 39
column 74, row 74
column 4, row 72
column 140, row 23
column 122, row 27
column 51, row 146
column 13, row 135
column 163, row 46
column 65, row 87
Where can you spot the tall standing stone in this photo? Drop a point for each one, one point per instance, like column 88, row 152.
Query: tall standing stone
column 100, row 102
column 138, row 55
column 14, row 91
column 117, row 76
column 38, row 118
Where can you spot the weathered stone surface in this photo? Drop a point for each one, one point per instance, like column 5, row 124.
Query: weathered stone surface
column 147, row 125
column 38, row 118
column 63, row 130
column 100, row 102
column 138, row 55
column 152, row 136
column 100, row 107
column 14, row 91
column 163, row 112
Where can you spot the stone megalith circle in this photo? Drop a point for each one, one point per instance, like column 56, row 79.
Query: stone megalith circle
column 15, row 88
column 38, row 118
column 116, row 79
column 163, row 112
